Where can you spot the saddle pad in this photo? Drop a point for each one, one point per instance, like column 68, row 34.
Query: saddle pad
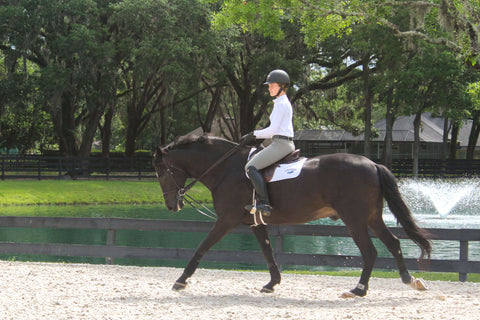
column 288, row 170
column 284, row 171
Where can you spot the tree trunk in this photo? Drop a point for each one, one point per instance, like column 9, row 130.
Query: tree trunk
column 389, row 122
column 131, row 131
column 89, row 131
column 444, row 154
column 416, row 143
column 473, row 137
column 163, row 127
column 454, row 140
column 106, row 131
column 212, row 110
column 247, row 122
column 368, row 110
column 64, row 123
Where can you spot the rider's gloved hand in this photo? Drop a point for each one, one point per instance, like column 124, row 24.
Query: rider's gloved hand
column 248, row 138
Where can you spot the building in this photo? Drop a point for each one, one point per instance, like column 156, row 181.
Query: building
column 315, row 142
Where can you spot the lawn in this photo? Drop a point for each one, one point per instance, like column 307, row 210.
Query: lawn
column 60, row 192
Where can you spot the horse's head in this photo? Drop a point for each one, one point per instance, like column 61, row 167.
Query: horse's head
column 172, row 179
column 189, row 156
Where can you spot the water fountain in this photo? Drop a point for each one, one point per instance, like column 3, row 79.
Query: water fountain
column 455, row 201
column 443, row 194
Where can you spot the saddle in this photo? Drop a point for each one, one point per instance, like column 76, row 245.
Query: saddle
column 289, row 158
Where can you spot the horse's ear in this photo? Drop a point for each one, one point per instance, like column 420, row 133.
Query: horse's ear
column 160, row 151
column 177, row 139
column 205, row 138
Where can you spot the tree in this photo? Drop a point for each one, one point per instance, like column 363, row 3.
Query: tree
column 69, row 43
column 245, row 65
column 22, row 125
column 158, row 42
column 429, row 82
column 473, row 91
column 459, row 20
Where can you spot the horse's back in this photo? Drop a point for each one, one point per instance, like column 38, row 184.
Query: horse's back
column 336, row 173
column 340, row 164
column 342, row 175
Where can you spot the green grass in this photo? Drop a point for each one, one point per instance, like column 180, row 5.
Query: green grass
column 59, row 192
column 430, row 276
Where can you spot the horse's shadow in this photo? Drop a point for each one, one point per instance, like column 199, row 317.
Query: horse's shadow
column 227, row 300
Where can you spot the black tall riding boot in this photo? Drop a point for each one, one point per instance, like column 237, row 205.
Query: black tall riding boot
column 260, row 186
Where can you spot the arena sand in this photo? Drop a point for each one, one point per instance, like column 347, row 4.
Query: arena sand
column 80, row 291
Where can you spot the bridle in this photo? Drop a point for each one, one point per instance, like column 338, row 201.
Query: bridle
column 182, row 191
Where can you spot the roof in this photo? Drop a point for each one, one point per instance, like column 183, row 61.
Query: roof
column 431, row 131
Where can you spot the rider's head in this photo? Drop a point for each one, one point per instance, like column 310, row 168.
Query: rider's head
column 278, row 82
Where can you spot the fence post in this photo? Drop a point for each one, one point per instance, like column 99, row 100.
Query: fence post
column 107, row 169
column 39, row 168
column 139, row 169
column 463, row 257
column 59, row 167
column 3, row 168
column 111, row 233
column 74, row 165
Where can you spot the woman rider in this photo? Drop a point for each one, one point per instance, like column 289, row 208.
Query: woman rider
column 280, row 131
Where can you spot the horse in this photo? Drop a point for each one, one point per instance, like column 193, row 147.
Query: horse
column 336, row 186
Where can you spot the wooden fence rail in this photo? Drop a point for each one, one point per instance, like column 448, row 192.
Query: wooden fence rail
column 50, row 167
column 463, row 266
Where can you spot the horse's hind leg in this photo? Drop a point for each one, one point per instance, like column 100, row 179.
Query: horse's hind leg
column 369, row 254
column 219, row 230
column 262, row 237
column 393, row 245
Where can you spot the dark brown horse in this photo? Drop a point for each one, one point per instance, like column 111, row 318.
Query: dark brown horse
column 345, row 186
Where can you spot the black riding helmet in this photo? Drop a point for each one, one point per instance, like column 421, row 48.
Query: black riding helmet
column 281, row 77
column 278, row 76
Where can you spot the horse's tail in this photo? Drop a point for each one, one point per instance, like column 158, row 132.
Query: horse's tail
column 400, row 210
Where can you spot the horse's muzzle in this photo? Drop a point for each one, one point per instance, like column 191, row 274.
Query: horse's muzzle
column 179, row 204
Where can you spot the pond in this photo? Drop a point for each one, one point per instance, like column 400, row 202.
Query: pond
column 462, row 214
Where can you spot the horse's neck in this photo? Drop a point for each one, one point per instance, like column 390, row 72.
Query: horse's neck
column 198, row 162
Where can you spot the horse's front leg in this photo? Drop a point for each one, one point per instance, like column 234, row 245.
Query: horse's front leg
column 219, row 230
column 262, row 236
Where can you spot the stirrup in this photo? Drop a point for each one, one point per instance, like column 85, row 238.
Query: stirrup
column 264, row 209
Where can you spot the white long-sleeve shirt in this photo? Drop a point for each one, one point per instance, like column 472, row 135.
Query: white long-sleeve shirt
column 280, row 120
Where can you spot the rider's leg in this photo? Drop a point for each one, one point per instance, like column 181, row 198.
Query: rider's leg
column 258, row 182
column 271, row 154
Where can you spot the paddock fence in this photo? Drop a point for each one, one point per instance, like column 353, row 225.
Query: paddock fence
column 49, row 167
column 54, row 167
column 110, row 251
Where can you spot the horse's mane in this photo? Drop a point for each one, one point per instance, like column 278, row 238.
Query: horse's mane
column 205, row 138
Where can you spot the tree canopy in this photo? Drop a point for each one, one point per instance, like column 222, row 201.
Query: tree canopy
column 133, row 74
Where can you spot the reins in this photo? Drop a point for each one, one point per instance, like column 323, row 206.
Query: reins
column 222, row 158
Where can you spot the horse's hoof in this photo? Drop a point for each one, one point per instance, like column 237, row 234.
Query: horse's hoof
column 266, row 290
column 179, row 286
column 348, row 295
column 359, row 291
column 418, row 284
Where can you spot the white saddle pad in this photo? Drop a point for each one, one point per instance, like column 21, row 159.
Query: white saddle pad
column 286, row 170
